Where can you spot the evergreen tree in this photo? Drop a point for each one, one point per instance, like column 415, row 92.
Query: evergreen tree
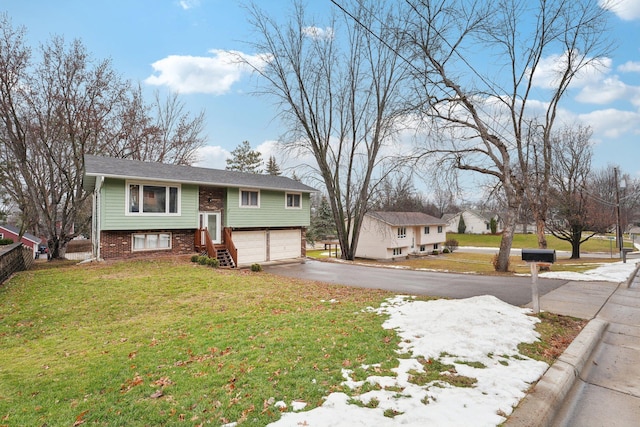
column 462, row 227
column 322, row 222
column 272, row 166
column 493, row 225
column 244, row 159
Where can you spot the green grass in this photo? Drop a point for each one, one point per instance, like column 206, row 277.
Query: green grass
column 162, row 343
column 479, row 263
column 594, row 244
column 170, row 342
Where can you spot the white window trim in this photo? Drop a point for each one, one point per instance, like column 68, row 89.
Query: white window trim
column 155, row 184
column 286, row 196
column 253, row 190
column 397, row 251
column 427, row 229
column 150, row 249
column 440, row 228
column 402, row 232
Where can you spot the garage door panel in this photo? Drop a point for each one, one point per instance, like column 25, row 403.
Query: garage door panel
column 285, row 244
column 251, row 246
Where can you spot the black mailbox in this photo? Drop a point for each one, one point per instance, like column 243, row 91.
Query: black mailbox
column 539, row 255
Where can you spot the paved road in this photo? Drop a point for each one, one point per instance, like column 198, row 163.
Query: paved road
column 513, row 290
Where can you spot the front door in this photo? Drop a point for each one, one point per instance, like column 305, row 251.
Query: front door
column 211, row 221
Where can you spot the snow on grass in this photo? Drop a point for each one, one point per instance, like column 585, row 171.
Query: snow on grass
column 607, row 272
column 478, row 336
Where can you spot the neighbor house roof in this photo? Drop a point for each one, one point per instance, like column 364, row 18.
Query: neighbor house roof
column 96, row 166
column 15, row 230
column 406, row 218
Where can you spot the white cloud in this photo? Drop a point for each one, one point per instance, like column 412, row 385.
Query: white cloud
column 612, row 123
column 189, row 4
column 630, row 67
column 318, row 33
column 627, row 10
column 549, row 69
column 606, row 91
column 197, row 74
column 212, row 156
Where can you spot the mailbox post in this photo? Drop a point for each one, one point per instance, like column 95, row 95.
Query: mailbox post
column 535, row 258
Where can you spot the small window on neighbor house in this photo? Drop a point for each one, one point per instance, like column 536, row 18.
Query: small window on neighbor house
column 151, row 241
column 426, row 230
column 439, row 229
column 397, row 251
column 423, row 248
column 250, row 198
column 488, row 226
column 435, row 246
column 294, row 200
column 402, row 232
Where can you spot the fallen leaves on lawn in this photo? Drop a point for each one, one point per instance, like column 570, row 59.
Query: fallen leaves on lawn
column 131, row 383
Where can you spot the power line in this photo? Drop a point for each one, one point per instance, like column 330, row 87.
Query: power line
column 475, row 72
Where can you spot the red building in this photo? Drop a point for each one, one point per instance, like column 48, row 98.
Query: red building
column 12, row 232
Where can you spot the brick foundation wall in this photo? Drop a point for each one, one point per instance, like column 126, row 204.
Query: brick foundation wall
column 117, row 244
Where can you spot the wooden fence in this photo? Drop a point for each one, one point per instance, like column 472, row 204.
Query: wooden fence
column 14, row 258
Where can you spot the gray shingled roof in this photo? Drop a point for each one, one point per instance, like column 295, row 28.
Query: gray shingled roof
column 16, row 230
column 406, row 218
column 96, row 166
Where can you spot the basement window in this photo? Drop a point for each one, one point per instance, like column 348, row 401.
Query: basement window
column 150, row 241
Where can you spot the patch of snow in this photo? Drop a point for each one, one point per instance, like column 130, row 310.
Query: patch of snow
column 480, row 329
column 607, row 272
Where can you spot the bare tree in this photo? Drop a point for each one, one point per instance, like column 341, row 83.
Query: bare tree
column 52, row 113
column 161, row 131
column 396, row 192
column 338, row 90
column 576, row 213
column 483, row 115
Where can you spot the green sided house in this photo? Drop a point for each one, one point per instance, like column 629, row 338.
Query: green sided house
column 144, row 208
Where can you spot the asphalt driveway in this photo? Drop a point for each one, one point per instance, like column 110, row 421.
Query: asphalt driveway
column 513, row 290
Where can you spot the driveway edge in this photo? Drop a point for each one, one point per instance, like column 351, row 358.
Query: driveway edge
column 539, row 408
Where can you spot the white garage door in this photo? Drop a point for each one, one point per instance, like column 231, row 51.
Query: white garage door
column 284, row 244
column 251, row 245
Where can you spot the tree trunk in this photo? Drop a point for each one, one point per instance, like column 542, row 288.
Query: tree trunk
column 542, row 237
column 576, row 237
column 505, row 245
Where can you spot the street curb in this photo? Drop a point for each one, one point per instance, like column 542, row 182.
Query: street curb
column 633, row 278
column 540, row 407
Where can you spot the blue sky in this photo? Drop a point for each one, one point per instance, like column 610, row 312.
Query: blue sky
column 180, row 45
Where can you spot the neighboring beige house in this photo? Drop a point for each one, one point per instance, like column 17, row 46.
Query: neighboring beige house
column 476, row 222
column 388, row 235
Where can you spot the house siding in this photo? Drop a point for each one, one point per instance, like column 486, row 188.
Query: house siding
column 271, row 213
column 117, row 244
column 378, row 240
column 113, row 209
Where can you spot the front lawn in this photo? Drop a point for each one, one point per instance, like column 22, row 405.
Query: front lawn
column 600, row 243
column 481, row 263
column 170, row 342
column 157, row 342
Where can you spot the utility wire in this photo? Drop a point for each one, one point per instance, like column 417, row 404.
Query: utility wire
column 358, row 22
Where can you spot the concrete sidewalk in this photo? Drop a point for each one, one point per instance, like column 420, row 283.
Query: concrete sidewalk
column 596, row 381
